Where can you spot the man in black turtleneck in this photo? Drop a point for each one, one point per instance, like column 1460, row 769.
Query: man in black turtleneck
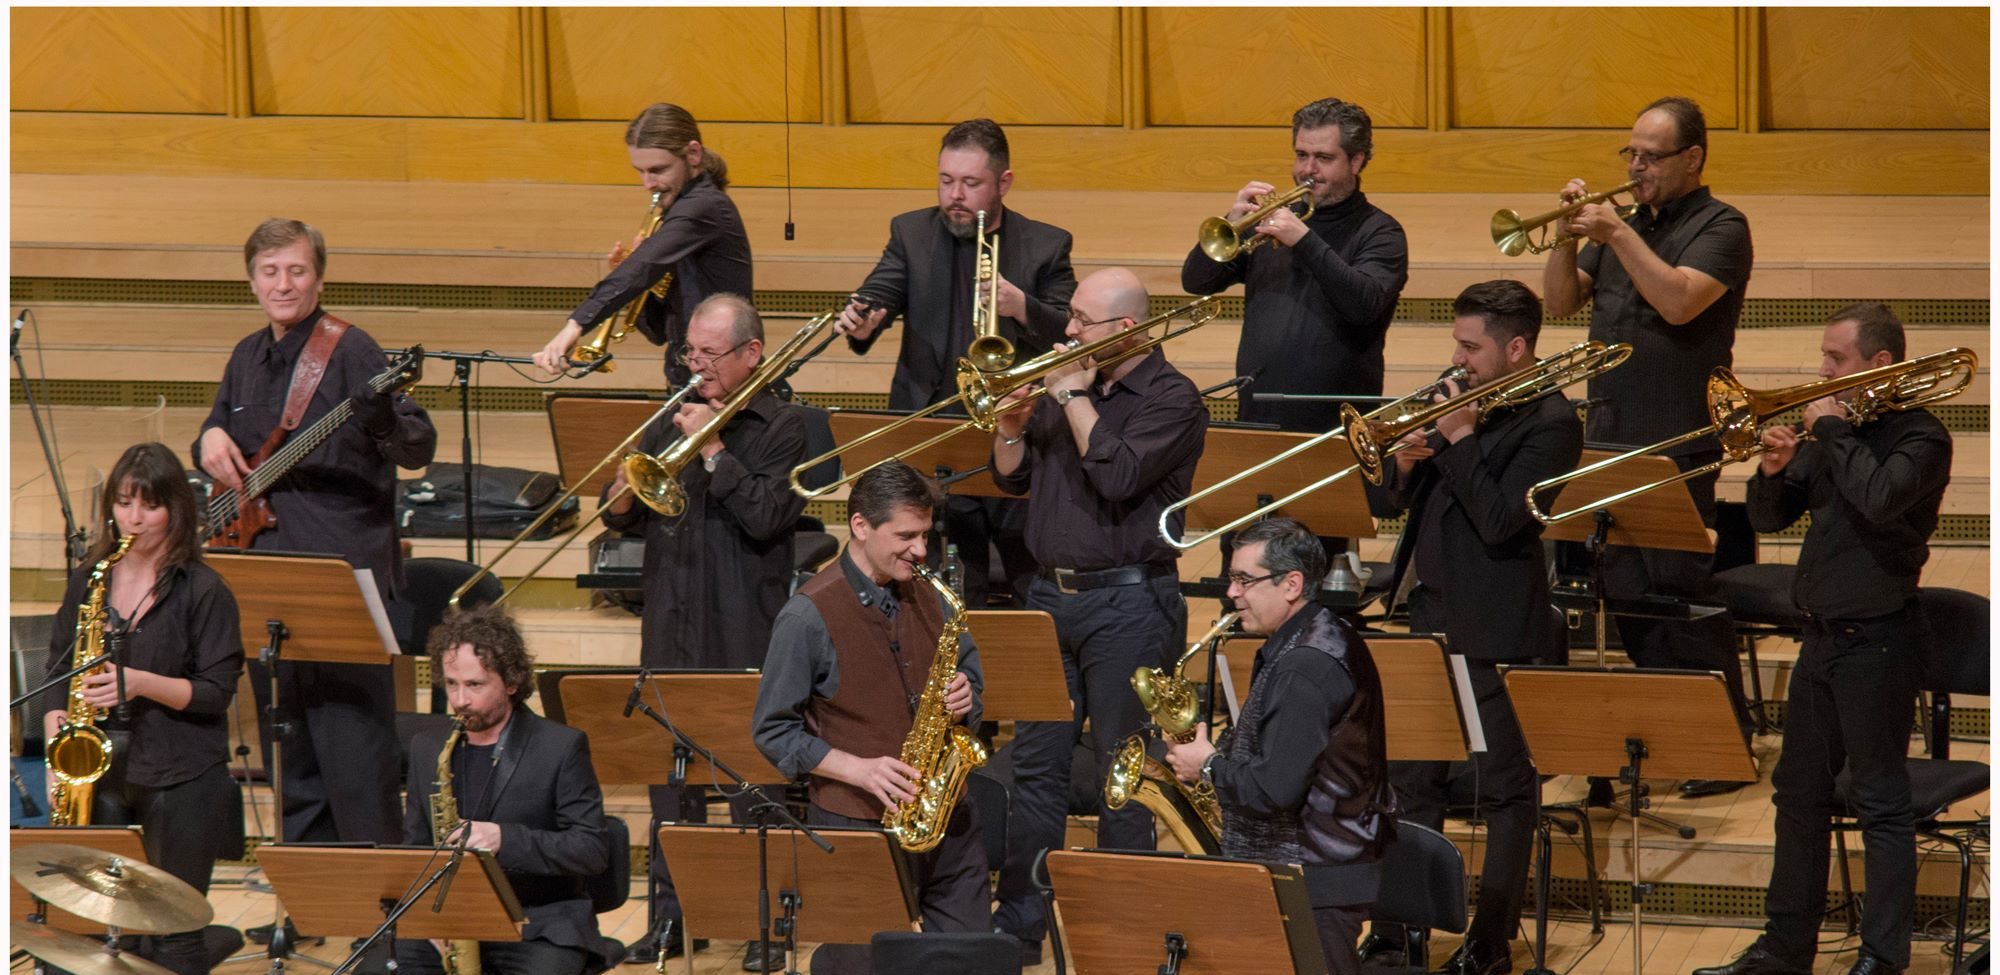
column 1303, row 777
column 1317, row 296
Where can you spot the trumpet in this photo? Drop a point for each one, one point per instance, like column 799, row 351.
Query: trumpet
column 1374, row 439
column 1222, row 239
column 1398, row 407
column 981, row 394
column 1739, row 414
column 613, row 329
column 1510, row 232
column 989, row 351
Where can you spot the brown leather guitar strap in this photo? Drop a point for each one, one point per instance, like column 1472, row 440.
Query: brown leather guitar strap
column 311, row 368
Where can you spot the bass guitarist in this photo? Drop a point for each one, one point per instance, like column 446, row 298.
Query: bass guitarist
column 340, row 762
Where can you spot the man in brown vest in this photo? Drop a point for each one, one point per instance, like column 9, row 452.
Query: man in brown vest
column 850, row 654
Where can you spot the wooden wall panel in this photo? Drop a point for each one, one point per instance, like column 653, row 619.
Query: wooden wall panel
column 1876, row 68
column 1046, row 66
column 437, row 61
column 1209, row 66
column 723, row 65
column 1589, row 67
column 118, row 59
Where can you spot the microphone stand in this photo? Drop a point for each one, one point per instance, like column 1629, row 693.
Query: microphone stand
column 764, row 808
column 73, row 537
column 439, row 878
column 58, row 679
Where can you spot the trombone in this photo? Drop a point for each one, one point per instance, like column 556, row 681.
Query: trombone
column 981, row 394
column 1374, row 439
column 655, row 478
column 1222, row 239
column 594, row 346
column 1510, row 232
column 990, row 351
column 1739, row 414
column 1396, row 408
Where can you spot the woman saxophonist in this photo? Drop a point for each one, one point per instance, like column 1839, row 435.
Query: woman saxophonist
column 182, row 655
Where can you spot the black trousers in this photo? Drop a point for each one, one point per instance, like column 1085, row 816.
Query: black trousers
column 186, row 828
column 341, row 769
column 496, row 958
column 1339, row 930
column 1703, row 644
column 1849, row 705
column 684, row 804
column 975, row 523
column 1503, row 783
column 953, row 891
column 1105, row 634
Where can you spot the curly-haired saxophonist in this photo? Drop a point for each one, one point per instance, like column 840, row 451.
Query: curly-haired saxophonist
column 850, row 657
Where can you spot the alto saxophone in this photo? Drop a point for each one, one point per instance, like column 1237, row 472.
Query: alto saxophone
column 459, row 957
column 80, row 753
column 613, row 329
column 1137, row 775
column 942, row 751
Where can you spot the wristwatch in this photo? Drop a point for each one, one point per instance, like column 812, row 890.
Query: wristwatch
column 1063, row 396
column 1208, row 767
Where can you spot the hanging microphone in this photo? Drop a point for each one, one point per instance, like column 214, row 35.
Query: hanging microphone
column 632, row 699
column 1228, row 385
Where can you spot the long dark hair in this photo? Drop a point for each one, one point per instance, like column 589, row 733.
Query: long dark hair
column 156, row 475
column 664, row 125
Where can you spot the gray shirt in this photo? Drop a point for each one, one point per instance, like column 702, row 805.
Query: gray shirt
column 801, row 666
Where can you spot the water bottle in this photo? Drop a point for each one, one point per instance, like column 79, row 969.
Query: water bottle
column 954, row 571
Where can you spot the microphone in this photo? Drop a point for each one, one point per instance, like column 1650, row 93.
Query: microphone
column 20, row 322
column 29, row 807
column 595, row 364
column 451, row 869
column 632, row 699
column 1237, row 384
column 114, row 651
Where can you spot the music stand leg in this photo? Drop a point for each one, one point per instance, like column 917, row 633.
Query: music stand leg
column 1635, row 752
column 1177, row 950
column 1544, row 841
column 462, row 377
column 281, row 948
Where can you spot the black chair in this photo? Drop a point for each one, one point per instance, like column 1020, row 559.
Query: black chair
column 420, row 606
column 1423, row 887
column 1957, row 663
column 1758, row 594
column 963, row 953
column 609, row 891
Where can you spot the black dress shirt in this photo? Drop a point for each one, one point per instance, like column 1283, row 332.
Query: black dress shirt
column 1307, row 693
column 1314, row 315
column 1102, row 509
column 190, row 631
column 702, row 241
column 716, row 576
column 802, row 666
column 341, row 498
column 1663, row 393
column 1874, row 491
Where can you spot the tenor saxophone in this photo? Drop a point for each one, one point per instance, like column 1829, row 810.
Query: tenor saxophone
column 80, row 753
column 942, row 751
column 459, row 957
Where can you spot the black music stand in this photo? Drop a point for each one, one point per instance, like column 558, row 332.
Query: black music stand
column 1672, row 723
column 313, row 608
column 1120, row 911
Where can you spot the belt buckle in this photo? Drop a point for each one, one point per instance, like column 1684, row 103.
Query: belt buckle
column 1066, row 581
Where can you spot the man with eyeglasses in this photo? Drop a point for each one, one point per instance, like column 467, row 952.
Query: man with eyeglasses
column 1302, row 777
column 716, row 576
column 926, row 276
column 1482, row 581
column 1670, row 279
column 1100, row 458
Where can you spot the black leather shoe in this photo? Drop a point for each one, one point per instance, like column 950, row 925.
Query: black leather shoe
column 1755, row 961
column 643, row 952
column 1472, row 958
column 1870, row 964
column 764, row 956
column 1031, row 951
column 1601, row 796
column 1378, row 951
column 1696, row 788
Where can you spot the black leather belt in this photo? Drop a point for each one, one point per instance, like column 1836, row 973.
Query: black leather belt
column 1070, row 580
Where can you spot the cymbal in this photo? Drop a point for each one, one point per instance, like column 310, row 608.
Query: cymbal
column 98, row 886
column 77, row 954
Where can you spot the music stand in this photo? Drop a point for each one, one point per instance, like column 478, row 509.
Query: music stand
column 1656, row 519
column 1022, row 665
column 587, row 426
column 1338, row 510
column 1121, row 911
column 314, row 609
column 1672, row 723
column 127, row 842
column 844, row 898
column 958, row 456
column 1428, row 714
column 480, row 904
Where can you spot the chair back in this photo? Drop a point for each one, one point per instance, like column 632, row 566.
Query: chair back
column 1961, row 638
column 1735, row 540
column 609, row 890
column 1423, row 881
column 427, row 587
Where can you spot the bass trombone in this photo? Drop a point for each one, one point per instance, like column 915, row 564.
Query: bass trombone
column 594, row 346
column 1222, row 239
column 655, row 478
column 1738, row 415
column 981, row 394
column 1510, row 232
column 990, row 351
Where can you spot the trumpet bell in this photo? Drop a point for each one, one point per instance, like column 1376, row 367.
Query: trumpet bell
column 1509, row 233
column 1219, row 240
column 990, row 353
column 654, row 485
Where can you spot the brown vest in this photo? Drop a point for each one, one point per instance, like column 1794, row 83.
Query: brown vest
column 870, row 712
